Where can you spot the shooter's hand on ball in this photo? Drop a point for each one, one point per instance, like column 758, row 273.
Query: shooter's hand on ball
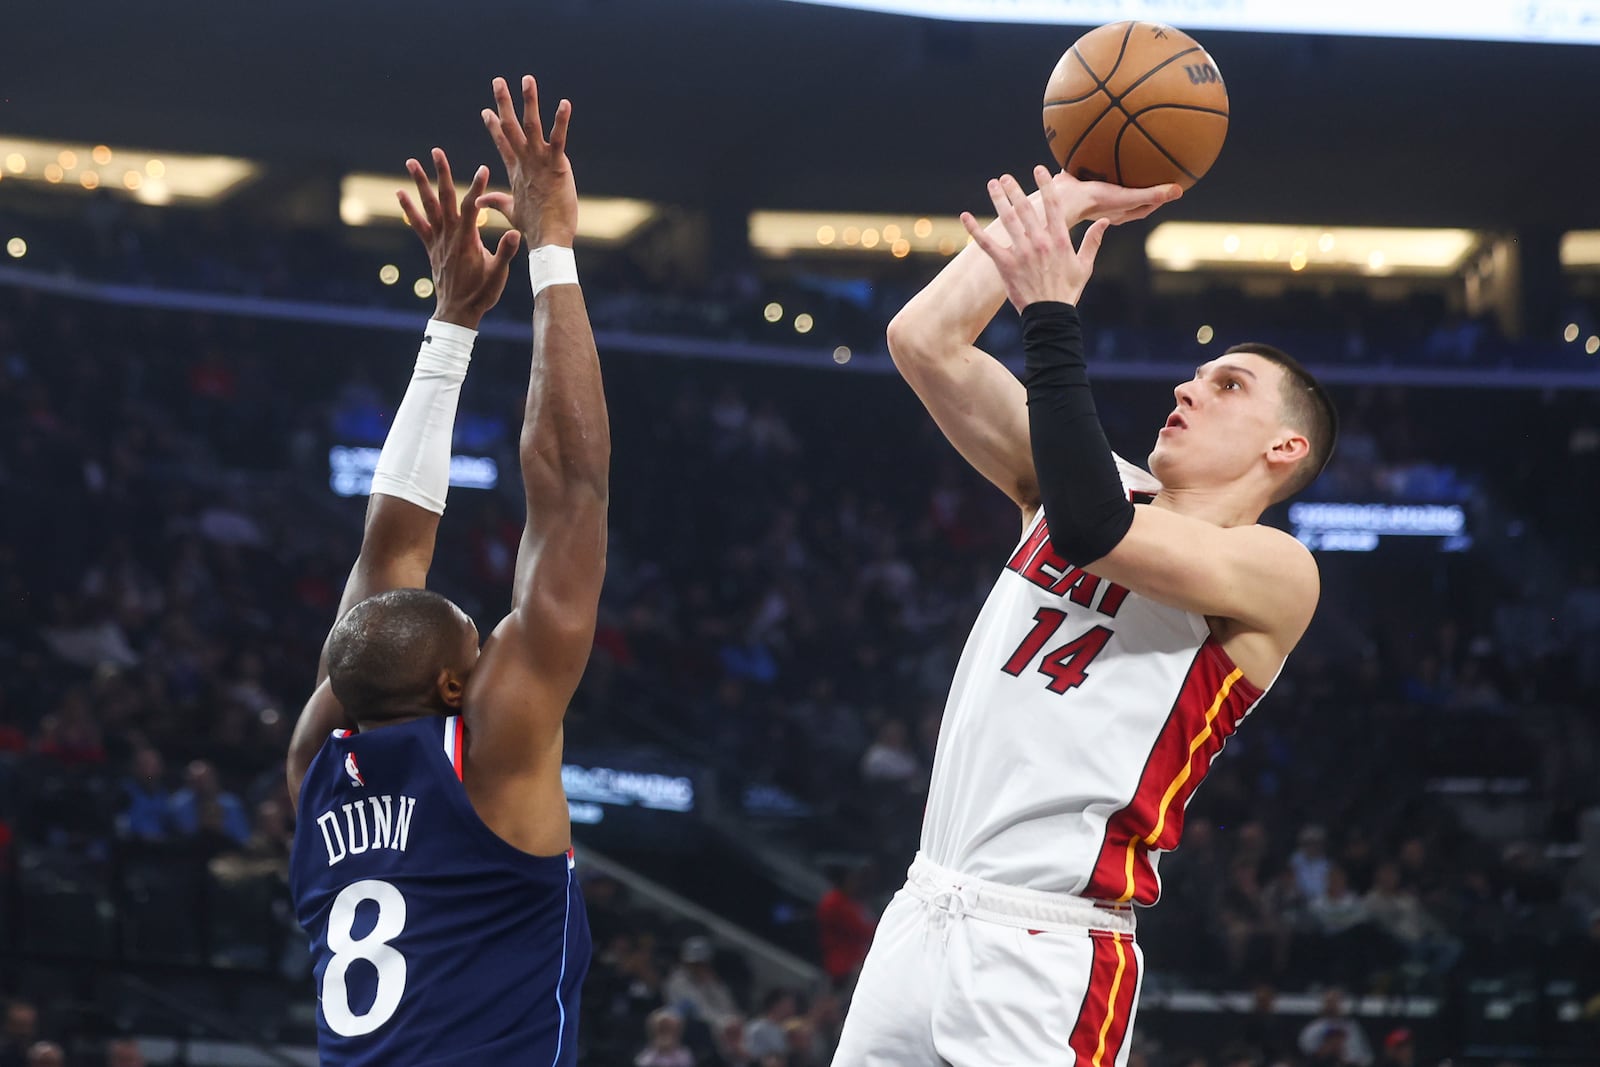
column 543, row 202
column 1083, row 200
column 1040, row 262
column 467, row 278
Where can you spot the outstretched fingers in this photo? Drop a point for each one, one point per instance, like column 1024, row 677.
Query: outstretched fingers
column 504, row 253
column 532, row 128
column 1089, row 247
column 1050, row 194
column 1006, row 207
column 447, row 185
column 510, row 138
column 469, row 202
column 501, row 202
column 558, row 128
column 983, row 238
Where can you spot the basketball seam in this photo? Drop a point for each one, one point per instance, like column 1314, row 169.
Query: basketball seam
column 1071, row 99
column 1117, row 149
column 1100, row 86
column 1173, row 107
column 1116, row 102
column 1122, row 53
column 1147, row 75
column 1133, row 120
column 1066, row 162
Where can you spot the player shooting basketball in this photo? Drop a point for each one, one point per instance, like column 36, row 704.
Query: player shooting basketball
column 1121, row 646
column 431, row 865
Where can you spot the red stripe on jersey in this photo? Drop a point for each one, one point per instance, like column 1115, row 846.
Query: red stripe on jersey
column 1108, row 1002
column 1213, row 700
column 455, row 757
column 1041, row 530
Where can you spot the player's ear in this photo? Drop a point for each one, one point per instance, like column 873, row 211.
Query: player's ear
column 1287, row 451
column 451, row 688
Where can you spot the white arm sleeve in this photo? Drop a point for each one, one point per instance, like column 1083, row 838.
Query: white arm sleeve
column 415, row 462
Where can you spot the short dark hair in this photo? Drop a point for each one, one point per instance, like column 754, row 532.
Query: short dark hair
column 1307, row 408
column 391, row 646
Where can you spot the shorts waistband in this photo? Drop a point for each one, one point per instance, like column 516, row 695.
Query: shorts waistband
column 1013, row 905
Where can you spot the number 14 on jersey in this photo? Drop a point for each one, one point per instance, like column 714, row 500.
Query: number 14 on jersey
column 1066, row 666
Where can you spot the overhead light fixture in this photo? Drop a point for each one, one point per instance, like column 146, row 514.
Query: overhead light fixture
column 1580, row 249
column 83, row 166
column 369, row 200
column 1259, row 248
column 786, row 233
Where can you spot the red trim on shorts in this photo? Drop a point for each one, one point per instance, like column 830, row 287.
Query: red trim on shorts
column 1107, row 1008
column 1212, row 702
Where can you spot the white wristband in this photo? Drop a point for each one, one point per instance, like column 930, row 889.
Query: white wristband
column 415, row 462
column 551, row 265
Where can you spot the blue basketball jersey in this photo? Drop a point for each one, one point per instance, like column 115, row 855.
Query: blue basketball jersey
column 435, row 942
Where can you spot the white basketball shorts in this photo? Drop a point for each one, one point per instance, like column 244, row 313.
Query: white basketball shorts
column 967, row 973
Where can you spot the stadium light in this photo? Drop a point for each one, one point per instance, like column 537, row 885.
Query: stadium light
column 1580, row 250
column 137, row 173
column 368, row 200
column 785, row 233
column 1259, row 248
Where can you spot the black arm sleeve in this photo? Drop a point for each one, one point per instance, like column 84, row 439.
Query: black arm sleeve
column 1084, row 502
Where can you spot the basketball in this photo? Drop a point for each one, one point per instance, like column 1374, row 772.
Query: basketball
column 1136, row 104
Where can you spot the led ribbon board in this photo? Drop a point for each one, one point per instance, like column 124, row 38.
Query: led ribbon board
column 1361, row 527
column 1550, row 21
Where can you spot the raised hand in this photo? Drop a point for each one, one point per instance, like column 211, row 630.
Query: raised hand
column 467, row 278
column 1081, row 200
column 1040, row 263
column 543, row 203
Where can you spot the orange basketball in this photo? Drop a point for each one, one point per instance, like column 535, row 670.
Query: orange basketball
column 1137, row 104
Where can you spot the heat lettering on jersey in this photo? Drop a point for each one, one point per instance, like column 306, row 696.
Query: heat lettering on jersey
column 1038, row 562
column 348, row 831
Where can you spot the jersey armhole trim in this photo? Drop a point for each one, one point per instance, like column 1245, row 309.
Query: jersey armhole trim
column 455, row 735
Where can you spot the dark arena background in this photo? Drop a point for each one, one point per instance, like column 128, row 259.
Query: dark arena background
column 208, row 305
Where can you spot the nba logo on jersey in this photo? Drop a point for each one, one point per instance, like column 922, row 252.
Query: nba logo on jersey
column 352, row 770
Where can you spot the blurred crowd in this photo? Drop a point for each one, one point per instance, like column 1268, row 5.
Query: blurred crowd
column 796, row 561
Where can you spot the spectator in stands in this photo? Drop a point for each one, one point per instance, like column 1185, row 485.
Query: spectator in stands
column 695, row 990
column 802, row 1044
column 21, row 1031
column 69, row 736
column 826, row 1016
column 1331, row 1049
column 1264, row 1031
column 204, row 791
column 1341, row 921
column 1310, row 863
column 1398, row 1049
column 147, row 814
column 764, row 1036
column 664, row 1029
column 86, row 638
column 1333, row 1038
column 46, row 1054
column 1399, row 914
column 844, row 927
column 890, row 760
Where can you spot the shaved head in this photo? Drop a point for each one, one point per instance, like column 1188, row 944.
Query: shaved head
column 389, row 649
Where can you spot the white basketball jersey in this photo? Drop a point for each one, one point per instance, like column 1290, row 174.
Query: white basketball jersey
column 1081, row 720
